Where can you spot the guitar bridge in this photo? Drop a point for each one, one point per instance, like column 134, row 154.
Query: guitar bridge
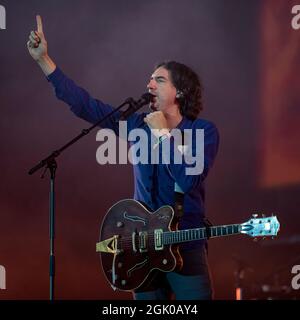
column 109, row 245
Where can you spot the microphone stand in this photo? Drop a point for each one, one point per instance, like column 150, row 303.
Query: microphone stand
column 49, row 163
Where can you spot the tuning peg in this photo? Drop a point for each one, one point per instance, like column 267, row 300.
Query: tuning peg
column 255, row 215
column 255, row 239
column 263, row 215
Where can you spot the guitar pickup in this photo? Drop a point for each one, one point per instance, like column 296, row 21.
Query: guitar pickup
column 133, row 236
column 143, row 239
column 158, row 239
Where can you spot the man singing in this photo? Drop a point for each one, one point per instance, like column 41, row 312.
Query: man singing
column 176, row 104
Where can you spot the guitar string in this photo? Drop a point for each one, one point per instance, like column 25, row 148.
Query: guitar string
column 180, row 233
column 152, row 236
column 126, row 242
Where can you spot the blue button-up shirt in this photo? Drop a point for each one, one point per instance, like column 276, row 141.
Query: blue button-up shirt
column 153, row 183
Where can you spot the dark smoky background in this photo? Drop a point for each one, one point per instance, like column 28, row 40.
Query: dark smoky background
column 110, row 48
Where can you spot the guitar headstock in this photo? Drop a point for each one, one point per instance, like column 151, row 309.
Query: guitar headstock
column 261, row 227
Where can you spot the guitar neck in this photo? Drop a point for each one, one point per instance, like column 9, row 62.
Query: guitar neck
column 179, row 236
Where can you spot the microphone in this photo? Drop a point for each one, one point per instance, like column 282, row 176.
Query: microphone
column 135, row 105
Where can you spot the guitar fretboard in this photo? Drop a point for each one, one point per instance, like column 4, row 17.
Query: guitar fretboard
column 179, row 236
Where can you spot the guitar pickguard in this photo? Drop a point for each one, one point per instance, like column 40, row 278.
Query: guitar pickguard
column 137, row 266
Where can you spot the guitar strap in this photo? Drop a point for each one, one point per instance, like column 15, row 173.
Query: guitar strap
column 207, row 225
column 179, row 200
column 179, row 210
column 178, row 193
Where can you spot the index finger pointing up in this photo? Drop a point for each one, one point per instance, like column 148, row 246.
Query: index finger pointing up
column 39, row 23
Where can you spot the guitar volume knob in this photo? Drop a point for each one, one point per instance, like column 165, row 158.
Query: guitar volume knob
column 120, row 224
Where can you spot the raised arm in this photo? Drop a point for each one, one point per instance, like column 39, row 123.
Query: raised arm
column 81, row 102
column 37, row 47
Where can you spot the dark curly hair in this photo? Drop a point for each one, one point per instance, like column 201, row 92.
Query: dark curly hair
column 188, row 86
